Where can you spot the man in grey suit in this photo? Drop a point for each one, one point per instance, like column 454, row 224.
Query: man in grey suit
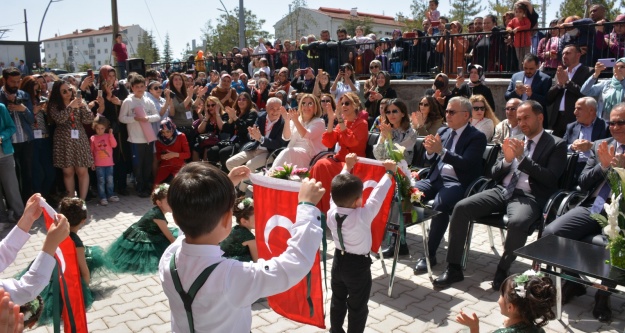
column 527, row 173
column 530, row 84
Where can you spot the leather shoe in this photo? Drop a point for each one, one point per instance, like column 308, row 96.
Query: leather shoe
column 390, row 251
column 500, row 276
column 422, row 266
column 451, row 275
column 602, row 310
column 570, row 290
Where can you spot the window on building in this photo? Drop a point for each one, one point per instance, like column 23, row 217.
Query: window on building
column 98, row 51
column 97, row 40
column 106, row 51
column 56, row 44
column 100, row 62
column 75, row 42
column 62, row 44
column 139, row 39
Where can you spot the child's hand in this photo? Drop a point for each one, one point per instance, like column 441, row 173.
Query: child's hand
column 58, row 231
column 350, row 160
column 110, row 131
column 311, row 191
column 238, row 174
column 390, row 165
column 473, row 322
column 11, row 320
column 31, row 212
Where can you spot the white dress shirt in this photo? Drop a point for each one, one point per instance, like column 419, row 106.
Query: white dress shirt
column 356, row 229
column 448, row 169
column 224, row 303
column 523, row 182
column 32, row 283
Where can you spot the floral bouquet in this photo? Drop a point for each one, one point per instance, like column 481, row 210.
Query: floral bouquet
column 405, row 182
column 288, row 172
column 614, row 224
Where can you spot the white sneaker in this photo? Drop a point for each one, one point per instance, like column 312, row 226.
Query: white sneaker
column 114, row 198
column 104, row 202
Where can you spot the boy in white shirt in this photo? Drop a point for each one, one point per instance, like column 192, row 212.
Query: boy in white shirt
column 202, row 198
column 137, row 110
column 350, row 224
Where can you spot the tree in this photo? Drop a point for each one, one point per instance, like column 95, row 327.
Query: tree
column 167, row 52
column 84, row 67
column 226, row 34
column 147, row 49
column 463, row 11
column 54, row 63
column 417, row 11
column 501, row 7
column 353, row 21
column 577, row 7
column 296, row 21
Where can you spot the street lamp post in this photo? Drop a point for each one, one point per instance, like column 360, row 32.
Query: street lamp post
column 44, row 17
column 241, row 21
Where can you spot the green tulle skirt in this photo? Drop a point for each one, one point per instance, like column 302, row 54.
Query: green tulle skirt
column 137, row 251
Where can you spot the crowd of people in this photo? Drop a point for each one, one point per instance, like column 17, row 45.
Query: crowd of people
column 145, row 131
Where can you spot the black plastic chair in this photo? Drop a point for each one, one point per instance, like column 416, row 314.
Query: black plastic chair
column 372, row 140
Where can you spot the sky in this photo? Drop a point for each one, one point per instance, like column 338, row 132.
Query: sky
column 183, row 20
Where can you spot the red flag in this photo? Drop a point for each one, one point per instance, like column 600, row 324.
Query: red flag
column 370, row 172
column 275, row 208
column 68, row 265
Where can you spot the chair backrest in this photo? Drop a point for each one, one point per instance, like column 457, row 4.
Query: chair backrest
column 490, row 157
column 568, row 176
column 372, row 140
column 418, row 159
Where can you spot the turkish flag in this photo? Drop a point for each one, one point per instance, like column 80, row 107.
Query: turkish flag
column 275, row 209
column 69, row 277
column 370, row 172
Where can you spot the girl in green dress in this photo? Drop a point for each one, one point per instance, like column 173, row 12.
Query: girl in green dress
column 141, row 246
column 241, row 243
column 527, row 300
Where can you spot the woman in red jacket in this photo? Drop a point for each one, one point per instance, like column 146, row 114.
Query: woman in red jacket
column 349, row 136
column 171, row 151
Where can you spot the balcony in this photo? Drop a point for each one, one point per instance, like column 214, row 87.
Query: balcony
column 91, row 45
column 92, row 56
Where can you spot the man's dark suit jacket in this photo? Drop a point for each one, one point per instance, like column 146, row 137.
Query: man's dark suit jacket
column 592, row 176
column 274, row 141
column 467, row 155
column 540, row 87
column 544, row 168
column 555, row 95
column 600, row 131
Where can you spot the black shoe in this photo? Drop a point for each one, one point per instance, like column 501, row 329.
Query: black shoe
column 602, row 310
column 500, row 276
column 570, row 290
column 422, row 266
column 390, row 250
column 451, row 275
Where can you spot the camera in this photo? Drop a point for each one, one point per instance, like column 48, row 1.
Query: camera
column 342, row 68
column 42, row 100
column 172, row 94
column 447, row 26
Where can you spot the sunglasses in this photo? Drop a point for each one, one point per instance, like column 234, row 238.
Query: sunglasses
column 392, row 111
column 452, row 112
column 374, row 66
column 424, row 104
column 346, row 103
column 211, row 105
column 326, row 101
column 157, row 88
column 510, row 108
column 616, row 123
column 479, row 108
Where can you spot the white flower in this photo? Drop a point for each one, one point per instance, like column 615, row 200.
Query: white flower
column 416, row 196
column 241, row 206
column 612, row 212
column 399, row 148
column 530, row 272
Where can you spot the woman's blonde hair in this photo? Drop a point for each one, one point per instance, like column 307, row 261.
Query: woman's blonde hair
column 318, row 110
column 488, row 113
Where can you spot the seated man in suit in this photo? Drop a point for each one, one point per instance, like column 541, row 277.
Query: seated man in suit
column 530, row 83
column 267, row 136
column 527, row 173
column 509, row 127
column 455, row 153
column 581, row 134
column 566, row 90
column 577, row 223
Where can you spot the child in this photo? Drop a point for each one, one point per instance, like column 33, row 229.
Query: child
column 520, row 25
column 241, row 243
column 202, row 198
column 434, row 16
column 172, row 148
column 140, row 247
column 350, row 224
column 527, row 300
column 102, row 145
column 136, row 111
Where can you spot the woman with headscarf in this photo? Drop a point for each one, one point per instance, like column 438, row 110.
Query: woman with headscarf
column 475, row 86
column 609, row 92
column 382, row 89
column 172, row 149
column 440, row 91
column 453, row 49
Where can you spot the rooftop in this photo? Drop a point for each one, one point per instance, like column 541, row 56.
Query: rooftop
column 347, row 14
column 105, row 30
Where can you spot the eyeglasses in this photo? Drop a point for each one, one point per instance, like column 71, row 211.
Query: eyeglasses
column 452, row 112
column 424, row 104
column 210, row 105
column 374, row 66
column 479, row 108
column 616, row 123
column 346, row 103
column 156, row 88
column 326, row 101
column 392, row 111
column 510, row 108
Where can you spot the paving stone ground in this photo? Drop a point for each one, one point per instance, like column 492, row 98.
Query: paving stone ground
column 136, row 303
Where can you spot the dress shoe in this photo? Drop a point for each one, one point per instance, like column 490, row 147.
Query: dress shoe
column 451, row 275
column 422, row 266
column 500, row 276
column 389, row 251
column 570, row 290
column 602, row 310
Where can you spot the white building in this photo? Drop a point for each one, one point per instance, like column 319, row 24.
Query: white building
column 306, row 21
column 90, row 46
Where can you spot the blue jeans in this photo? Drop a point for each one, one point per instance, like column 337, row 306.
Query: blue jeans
column 105, row 178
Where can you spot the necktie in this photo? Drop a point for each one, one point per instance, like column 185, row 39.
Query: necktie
column 515, row 175
column 439, row 165
column 340, row 218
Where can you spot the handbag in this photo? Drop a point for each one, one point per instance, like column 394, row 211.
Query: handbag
column 207, row 140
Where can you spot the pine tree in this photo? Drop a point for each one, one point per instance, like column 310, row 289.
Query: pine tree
column 463, row 11
column 577, row 7
column 167, row 52
column 226, row 34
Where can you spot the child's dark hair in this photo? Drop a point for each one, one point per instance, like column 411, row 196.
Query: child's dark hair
column 534, row 298
column 346, row 188
column 136, row 79
column 74, row 209
column 159, row 193
column 243, row 209
column 199, row 197
column 101, row 121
